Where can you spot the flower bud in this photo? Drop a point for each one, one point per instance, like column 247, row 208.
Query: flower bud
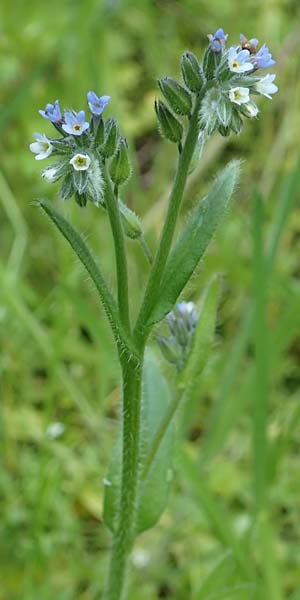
column 110, row 139
column 169, row 126
column 178, row 97
column 168, row 349
column 130, row 221
column 120, row 168
column 191, row 72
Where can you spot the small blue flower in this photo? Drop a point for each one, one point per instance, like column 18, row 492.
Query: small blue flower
column 96, row 103
column 218, row 40
column 52, row 112
column 263, row 59
column 239, row 60
column 75, row 123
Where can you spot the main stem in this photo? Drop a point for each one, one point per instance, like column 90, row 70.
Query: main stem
column 152, row 289
column 125, row 533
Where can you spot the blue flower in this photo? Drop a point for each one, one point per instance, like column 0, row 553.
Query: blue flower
column 263, row 59
column 218, row 40
column 52, row 112
column 75, row 123
column 96, row 103
column 238, row 60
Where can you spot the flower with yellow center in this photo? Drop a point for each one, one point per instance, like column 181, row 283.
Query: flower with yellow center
column 238, row 61
column 239, row 95
column 80, row 162
column 42, row 147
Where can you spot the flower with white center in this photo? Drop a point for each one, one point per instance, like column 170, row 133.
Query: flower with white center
column 80, row 162
column 42, row 147
column 239, row 95
column 75, row 123
column 266, row 87
column 238, row 61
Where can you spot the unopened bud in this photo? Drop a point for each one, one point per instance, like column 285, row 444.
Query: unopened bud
column 169, row 349
column 120, row 168
column 191, row 72
column 110, row 138
column 169, row 126
column 130, row 221
column 178, row 97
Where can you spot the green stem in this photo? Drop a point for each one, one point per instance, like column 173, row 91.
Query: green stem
column 152, row 288
column 120, row 253
column 146, row 249
column 125, row 532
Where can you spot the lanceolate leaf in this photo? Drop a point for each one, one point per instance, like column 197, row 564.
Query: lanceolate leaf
column 191, row 245
column 82, row 251
column 153, row 489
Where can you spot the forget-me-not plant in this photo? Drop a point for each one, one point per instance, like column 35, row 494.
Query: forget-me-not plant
column 91, row 161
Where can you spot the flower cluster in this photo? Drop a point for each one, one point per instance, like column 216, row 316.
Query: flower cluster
column 226, row 79
column 181, row 323
column 81, row 150
column 232, row 77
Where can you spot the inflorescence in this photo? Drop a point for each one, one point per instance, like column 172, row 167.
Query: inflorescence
column 181, row 323
column 226, row 81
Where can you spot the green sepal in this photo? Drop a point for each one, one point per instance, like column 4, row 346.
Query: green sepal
column 80, row 180
column 236, row 123
column 192, row 243
column 191, row 72
column 169, row 126
column 97, row 128
column 224, row 112
column 120, row 169
column 154, row 489
column 178, row 97
column 110, row 138
column 211, row 61
column 67, row 189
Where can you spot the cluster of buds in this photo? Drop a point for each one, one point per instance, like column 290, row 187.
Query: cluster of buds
column 227, row 80
column 81, row 151
column 181, row 324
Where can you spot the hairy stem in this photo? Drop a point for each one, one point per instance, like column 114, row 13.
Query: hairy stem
column 120, row 253
column 125, row 532
column 152, row 288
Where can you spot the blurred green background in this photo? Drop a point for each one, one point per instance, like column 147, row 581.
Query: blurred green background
column 232, row 528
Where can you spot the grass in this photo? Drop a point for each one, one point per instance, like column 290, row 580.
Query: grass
column 232, row 526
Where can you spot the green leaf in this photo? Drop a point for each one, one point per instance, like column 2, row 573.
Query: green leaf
column 192, row 243
column 83, row 253
column 203, row 336
column 153, row 490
